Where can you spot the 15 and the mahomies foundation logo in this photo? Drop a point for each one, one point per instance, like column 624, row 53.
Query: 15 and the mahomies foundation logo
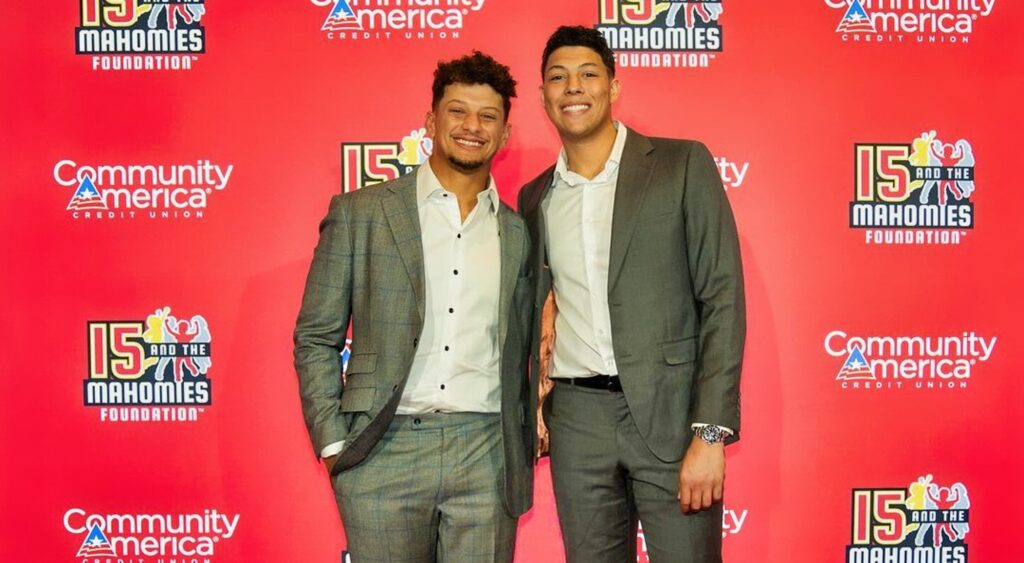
column 922, row 523
column 661, row 33
column 394, row 19
column 127, row 538
column 913, row 193
column 903, row 21
column 911, row 361
column 132, row 191
column 149, row 370
column 141, row 34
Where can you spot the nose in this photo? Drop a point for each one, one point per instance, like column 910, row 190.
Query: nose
column 472, row 122
column 573, row 85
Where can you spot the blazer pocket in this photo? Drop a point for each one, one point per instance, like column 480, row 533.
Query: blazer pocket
column 680, row 351
column 365, row 362
column 359, row 391
column 357, row 399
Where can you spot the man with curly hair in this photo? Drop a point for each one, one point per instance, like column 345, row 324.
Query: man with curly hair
column 428, row 441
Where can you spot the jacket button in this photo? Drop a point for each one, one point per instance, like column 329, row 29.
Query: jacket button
column 415, row 341
column 395, row 388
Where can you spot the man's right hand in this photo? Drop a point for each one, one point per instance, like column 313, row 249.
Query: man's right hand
column 329, row 462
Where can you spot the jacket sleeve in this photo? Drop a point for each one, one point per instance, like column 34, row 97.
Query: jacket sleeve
column 322, row 325
column 716, row 272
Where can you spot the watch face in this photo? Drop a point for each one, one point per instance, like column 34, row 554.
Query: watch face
column 711, row 434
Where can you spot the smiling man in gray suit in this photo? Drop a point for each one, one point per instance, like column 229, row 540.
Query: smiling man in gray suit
column 428, row 440
column 637, row 240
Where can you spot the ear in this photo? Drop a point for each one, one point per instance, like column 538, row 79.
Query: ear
column 428, row 124
column 505, row 135
column 616, row 87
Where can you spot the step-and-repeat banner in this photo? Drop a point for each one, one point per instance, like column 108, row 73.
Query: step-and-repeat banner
column 168, row 164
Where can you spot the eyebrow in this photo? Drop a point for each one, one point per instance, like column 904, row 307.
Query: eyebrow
column 456, row 100
column 563, row 67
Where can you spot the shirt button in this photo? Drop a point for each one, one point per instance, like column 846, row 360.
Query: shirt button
column 456, row 272
column 450, row 310
column 445, row 348
column 458, row 235
column 442, row 386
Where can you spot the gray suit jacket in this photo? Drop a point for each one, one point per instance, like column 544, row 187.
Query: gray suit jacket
column 367, row 271
column 675, row 289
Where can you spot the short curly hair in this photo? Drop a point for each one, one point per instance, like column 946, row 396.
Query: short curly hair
column 476, row 68
column 578, row 36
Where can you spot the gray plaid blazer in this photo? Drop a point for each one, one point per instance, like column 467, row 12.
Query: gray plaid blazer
column 367, row 272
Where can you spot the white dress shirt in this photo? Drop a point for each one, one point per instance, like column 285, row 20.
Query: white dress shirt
column 456, row 367
column 578, row 216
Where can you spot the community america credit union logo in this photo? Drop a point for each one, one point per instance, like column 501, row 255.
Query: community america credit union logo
column 913, row 193
column 364, row 164
column 661, row 33
column 124, row 538
column 908, row 361
column 141, row 191
column 924, row 522
column 141, row 34
column 155, row 369
column 395, row 19
column 905, row 21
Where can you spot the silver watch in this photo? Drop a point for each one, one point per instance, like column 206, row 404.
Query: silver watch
column 710, row 433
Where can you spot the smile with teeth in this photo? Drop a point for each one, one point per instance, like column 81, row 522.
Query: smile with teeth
column 469, row 143
column 575, row 108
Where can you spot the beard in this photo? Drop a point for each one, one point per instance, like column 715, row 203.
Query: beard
column 466, row 165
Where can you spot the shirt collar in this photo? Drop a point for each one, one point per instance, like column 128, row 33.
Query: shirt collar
column 428, row 186
column 610, row 166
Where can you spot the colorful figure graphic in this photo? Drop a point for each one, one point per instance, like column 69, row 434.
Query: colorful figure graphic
column 926, row 495
column 951, row 498
column 416, row 148
column 189, row 13
column 179, row 331
column 929, row 151
column 154, row 333
column 164, row 328
column 708, row 11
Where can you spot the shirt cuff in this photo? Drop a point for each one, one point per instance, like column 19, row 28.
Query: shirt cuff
column 332, row 449
column 725, row 429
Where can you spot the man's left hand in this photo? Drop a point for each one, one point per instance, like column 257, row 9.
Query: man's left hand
column 701, row 475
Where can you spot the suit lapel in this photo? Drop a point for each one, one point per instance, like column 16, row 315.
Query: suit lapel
column 633, row 179
column 535, row 216
column 510, row 236
column 404, row 220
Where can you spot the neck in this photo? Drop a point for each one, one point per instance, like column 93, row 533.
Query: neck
column 465, row 185
column 588, row 155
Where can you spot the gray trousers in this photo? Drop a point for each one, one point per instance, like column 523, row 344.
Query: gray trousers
column 431, row 490
column 605, row 480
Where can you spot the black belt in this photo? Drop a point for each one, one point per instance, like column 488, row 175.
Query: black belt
column 604, row 382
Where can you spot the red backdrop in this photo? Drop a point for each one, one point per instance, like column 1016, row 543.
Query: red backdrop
column 159, row 173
